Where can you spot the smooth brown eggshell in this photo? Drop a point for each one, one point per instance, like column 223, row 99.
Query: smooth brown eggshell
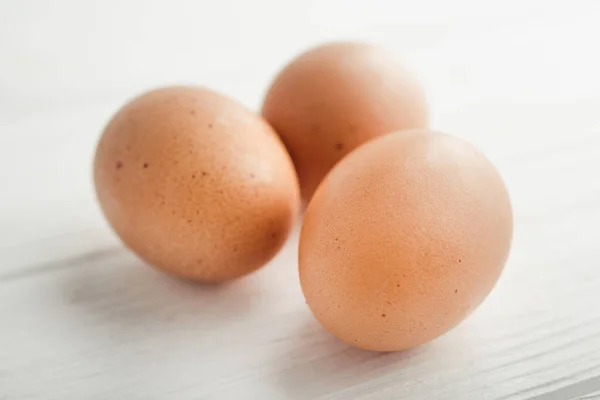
column 333, row 98
column 403, row 239
column 196, row 184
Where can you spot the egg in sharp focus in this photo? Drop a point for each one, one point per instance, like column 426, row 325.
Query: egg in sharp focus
column 404, row 238
column 196, row 184
column 333, row 98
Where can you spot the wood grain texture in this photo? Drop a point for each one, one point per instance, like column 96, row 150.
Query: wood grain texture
column 81, row 318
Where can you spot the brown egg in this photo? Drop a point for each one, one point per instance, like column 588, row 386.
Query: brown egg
column 333, row 98
column 404, row 239
column 196, row 184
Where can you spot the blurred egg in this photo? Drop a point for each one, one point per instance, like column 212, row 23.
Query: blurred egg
column 196, row 184
column 403, row 239
column 334, row 98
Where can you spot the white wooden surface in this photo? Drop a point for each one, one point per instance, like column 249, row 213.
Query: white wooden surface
column 81, row 318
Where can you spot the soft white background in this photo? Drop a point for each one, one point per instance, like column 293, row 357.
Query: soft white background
column 80, row 318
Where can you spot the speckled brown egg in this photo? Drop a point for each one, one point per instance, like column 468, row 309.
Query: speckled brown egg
column 404, row 238
column 335, row 97
column 196, row 184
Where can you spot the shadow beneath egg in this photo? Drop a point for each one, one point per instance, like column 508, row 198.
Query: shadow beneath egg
column 122, row 293
column 317, row 364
